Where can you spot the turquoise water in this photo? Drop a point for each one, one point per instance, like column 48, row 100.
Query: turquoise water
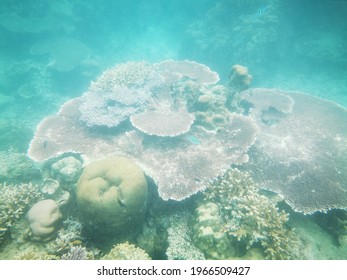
column 51, row 52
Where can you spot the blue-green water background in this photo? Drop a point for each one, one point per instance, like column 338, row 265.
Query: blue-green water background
column 298, row 45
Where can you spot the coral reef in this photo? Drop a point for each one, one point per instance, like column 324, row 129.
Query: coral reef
column 15, row 201
column 126, row 251
column 112, row 198
column 44, row 218
column 35, row 255
column 249, row 218
column 67, row 169
column 76, row 253
column 239, row 78
column 68, row 236
column 208, row 233
column 110, row 108
column 305, row 164
column 163, row 122
column 179, row 166
column 17, row 167
column 181, row 246
column 130, row 74
column 177, row 70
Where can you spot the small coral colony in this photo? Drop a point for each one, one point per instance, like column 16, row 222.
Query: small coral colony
column 163, row 161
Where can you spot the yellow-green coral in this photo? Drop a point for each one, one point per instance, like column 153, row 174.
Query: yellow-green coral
column 126, row 251
column 251, row 219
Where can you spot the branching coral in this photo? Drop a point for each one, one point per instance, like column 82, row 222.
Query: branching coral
column 77, row 253
column 68, row 236
column 250, row 218
column 15, row 200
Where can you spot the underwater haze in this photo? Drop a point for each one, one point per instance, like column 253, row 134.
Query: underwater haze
column 170, row 129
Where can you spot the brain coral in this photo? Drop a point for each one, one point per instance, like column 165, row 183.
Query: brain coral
column 112, row 198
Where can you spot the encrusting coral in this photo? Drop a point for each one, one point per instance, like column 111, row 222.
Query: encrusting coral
column 248, row 218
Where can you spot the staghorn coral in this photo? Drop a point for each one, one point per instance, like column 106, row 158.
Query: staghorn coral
column 126, row 251
column 301, row 148
column 181, row 246
column 77, row 253
column 68, row 236
column 250, row 218
column 15, row 201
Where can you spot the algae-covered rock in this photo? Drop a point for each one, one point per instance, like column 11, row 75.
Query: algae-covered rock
column 112, row 198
